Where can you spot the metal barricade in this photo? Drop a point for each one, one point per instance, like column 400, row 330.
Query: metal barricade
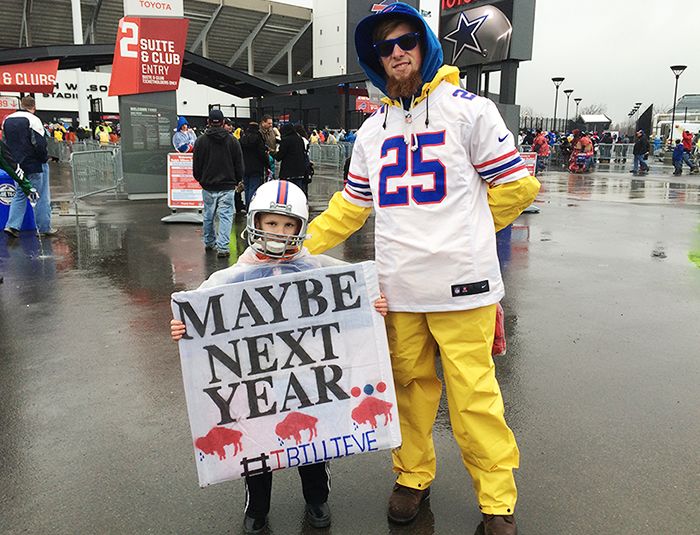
column 325, row 154
column 53, row 148
column 621, row 152
column 345, row 150
column 604, row 153
column 324, row 184
column 96, row 171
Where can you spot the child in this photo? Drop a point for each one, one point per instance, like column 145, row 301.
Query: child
column 276, row 229
column 678, row 158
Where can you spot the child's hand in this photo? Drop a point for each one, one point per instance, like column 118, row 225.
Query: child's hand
column 177, row 329
column 381, row 306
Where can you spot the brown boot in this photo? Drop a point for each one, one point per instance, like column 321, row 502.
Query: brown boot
column 499, row 525
column 405, row 502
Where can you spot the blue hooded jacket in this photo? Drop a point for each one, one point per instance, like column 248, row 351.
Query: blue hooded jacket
column 370, row 61
column 183, row 141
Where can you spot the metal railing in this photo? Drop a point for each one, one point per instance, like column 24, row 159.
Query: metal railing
column 62, row 150
column 96, row 171
column 324, row 184
column 605, row 154
column 326, row 154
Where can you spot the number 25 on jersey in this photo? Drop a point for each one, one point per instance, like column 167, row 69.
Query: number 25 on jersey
column 399, row 195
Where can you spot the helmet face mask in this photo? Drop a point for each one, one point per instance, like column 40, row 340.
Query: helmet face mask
column 281, row 198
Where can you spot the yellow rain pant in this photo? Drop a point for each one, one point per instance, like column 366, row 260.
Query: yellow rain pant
column 489, row 451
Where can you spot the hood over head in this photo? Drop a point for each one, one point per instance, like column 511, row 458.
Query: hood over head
column 217, row 133
column 181, row 121
column 287, row 129
column 368, row 58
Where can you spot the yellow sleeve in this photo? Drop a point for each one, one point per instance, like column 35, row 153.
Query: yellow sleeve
column 507, row 201
column 335, row 224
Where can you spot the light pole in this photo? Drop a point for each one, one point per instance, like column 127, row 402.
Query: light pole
column 557, row 82
column 567, row 92
column 577, row 101
column 677, row 71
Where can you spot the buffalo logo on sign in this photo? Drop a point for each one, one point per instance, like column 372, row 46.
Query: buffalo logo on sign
column 478, row 35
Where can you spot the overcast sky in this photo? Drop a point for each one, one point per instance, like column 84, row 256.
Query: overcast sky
column 630, row 45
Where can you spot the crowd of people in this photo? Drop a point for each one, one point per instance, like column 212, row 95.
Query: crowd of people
column 578, row 150
column 105, row 133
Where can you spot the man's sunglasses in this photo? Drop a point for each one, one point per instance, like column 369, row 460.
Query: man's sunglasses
column 407, row 41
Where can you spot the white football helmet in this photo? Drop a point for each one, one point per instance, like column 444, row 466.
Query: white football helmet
column 277, row 197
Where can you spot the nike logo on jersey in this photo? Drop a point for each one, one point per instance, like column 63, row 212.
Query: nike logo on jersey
column 502, row 139
column 470, row 288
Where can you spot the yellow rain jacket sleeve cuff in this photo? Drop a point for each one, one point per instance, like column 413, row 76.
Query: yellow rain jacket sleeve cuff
column 507, row 201
column 335, row 224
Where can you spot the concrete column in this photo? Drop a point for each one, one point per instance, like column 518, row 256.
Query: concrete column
column 83, row 103
column 509, row 82
column 251, row 65
column 473, row 79
column 289, row 67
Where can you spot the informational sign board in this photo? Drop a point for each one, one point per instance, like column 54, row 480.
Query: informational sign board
column 148, row 55
column 286, row 371
column 154, row 8
column 34, row 77
column 530, row 159
column 183, row 190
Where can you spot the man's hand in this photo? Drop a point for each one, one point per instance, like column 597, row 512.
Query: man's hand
column 177, row 329
column 381, row 306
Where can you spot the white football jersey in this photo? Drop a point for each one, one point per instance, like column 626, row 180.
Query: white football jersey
column 426, row 173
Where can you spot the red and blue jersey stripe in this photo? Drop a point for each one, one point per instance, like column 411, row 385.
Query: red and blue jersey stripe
column 501, row 167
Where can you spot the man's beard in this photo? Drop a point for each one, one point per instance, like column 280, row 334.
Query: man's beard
column 406, row 87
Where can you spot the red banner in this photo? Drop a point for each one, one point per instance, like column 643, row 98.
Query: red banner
column 364, row 104
column 148, row 55
column 35, row 77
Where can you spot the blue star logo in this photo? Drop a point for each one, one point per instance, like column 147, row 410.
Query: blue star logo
column 464, row 36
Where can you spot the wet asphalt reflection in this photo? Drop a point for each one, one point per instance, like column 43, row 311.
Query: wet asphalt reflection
column 600, row 378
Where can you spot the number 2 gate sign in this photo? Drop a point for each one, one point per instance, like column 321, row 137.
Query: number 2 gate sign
column 148, row 55
column 286, row 371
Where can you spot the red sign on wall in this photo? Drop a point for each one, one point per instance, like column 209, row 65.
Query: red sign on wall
column 364, row 104
column 148, row 55
column 36, row 77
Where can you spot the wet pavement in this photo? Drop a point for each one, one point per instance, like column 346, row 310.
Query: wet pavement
column 600, row 379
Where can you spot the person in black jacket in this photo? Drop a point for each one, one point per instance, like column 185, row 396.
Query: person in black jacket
column 24, row 135
column 290, row 153
column 217, row 164
column 254, row 160
column 641, row 153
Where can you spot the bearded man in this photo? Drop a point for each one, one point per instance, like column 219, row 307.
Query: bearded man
column 441, row 171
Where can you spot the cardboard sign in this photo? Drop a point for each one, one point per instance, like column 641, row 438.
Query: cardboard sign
column 183, row 190
column 530, row 160
column 35, row 77
column 148, row 55
column 286, row 371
